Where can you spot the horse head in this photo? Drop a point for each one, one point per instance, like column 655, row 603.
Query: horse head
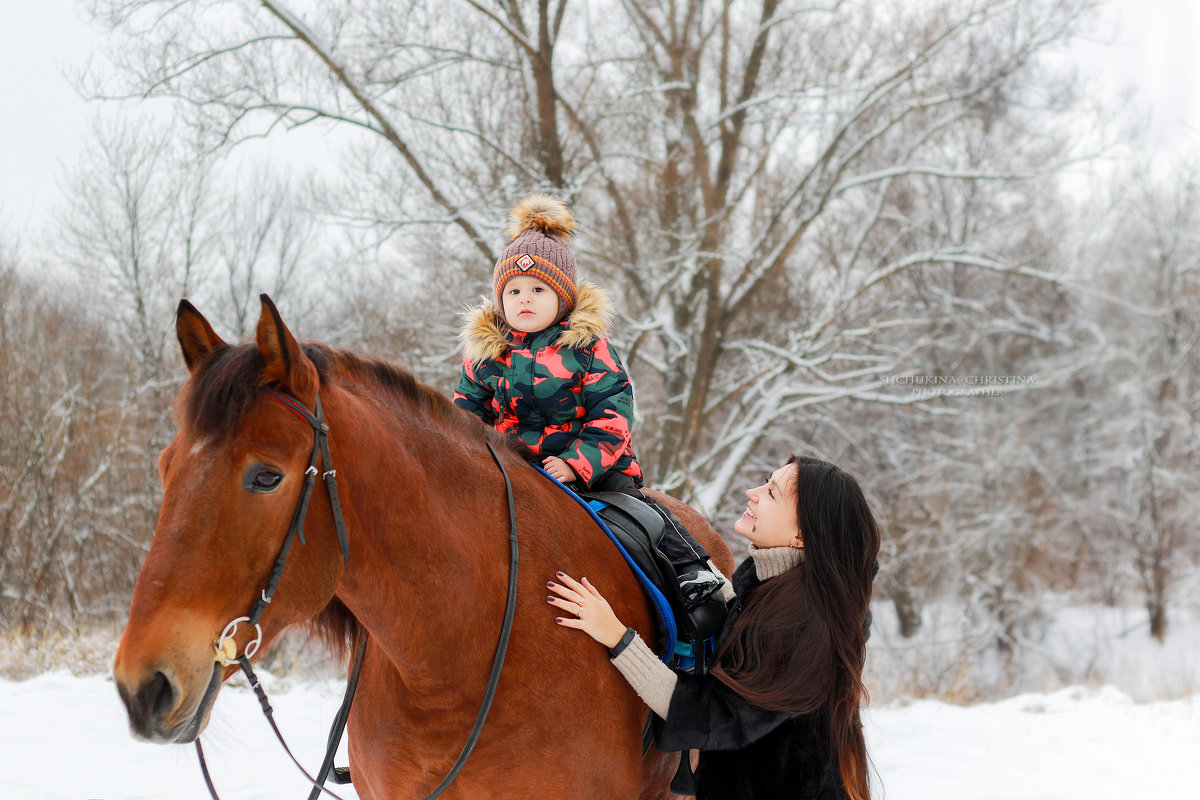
column 232, row 479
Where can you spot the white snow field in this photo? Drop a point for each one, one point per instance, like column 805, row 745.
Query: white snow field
column 65, row 737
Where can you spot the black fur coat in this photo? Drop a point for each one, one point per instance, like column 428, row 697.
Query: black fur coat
column 747, row 753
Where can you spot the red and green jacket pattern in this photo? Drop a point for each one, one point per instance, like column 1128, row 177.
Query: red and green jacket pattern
column 562, row 391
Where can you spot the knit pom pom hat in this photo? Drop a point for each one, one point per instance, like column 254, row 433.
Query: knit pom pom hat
column 539, row 228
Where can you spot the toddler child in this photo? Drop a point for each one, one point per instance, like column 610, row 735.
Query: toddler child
column 537, row 365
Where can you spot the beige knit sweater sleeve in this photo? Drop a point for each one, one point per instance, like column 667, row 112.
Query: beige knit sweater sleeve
column 653, row 680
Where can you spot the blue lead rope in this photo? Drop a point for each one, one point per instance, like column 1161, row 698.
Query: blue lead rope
column 661, row 607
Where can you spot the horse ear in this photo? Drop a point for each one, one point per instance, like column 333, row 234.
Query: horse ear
column 196, row 337
column 284, row 364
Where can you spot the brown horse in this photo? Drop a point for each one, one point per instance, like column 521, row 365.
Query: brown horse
column 426, row 577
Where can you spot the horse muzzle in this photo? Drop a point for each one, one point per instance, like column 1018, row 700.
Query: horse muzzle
column 161, row 711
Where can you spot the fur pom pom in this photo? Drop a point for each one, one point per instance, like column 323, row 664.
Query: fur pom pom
column 542, row 211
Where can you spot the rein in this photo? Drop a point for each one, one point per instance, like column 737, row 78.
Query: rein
column 226, row 646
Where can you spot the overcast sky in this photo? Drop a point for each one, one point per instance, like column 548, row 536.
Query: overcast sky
column 43, row 122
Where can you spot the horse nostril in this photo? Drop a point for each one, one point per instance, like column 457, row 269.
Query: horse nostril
column 162, row 695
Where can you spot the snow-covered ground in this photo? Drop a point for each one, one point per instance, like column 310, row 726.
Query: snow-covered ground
column 65, row 737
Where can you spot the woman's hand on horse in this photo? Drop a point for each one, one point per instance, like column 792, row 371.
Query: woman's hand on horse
column 588, row 610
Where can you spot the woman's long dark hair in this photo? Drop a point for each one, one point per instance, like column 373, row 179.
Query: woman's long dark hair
column 800, row 642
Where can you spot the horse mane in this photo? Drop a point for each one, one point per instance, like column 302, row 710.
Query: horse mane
column 337, row 628
column 228, row 384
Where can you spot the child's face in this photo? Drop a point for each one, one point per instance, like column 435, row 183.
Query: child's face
column 529, row 304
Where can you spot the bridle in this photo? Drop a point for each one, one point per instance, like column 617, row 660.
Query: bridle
column 225, row 647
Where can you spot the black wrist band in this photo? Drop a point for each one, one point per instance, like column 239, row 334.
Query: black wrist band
column 620, row 646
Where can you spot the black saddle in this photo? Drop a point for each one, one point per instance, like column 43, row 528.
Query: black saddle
column 639, row 527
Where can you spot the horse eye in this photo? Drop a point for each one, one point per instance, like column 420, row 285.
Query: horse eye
column 263, row 480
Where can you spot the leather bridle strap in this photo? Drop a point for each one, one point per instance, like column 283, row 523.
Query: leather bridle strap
column 296, row 530
column 319, row 785
column 320, row 450
column 510, row 610
column 339, row 722
column 320, row 446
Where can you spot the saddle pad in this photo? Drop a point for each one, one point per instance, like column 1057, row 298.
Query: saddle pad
column 666, row 617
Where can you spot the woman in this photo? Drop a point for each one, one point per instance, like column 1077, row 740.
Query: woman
column 778, row 716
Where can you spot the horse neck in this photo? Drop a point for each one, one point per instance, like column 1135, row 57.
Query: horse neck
column 428, row 519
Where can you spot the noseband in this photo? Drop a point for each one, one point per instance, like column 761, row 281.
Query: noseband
column 225, row 647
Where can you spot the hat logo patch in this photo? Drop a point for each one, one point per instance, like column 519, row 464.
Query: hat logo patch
column 525, row 263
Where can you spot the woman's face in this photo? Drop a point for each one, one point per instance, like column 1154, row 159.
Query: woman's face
column 770, row 516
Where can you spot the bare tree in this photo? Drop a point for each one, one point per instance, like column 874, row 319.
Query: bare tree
column 133, row 230
column 66, row 552
column 1141, row 434
column 805, row 210
column 742, row 171
column 266, row 244
column 87, row 374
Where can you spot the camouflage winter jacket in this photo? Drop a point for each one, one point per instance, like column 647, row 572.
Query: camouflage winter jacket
column 562, row 391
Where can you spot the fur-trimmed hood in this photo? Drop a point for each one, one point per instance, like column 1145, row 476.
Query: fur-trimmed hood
column 485, row 334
